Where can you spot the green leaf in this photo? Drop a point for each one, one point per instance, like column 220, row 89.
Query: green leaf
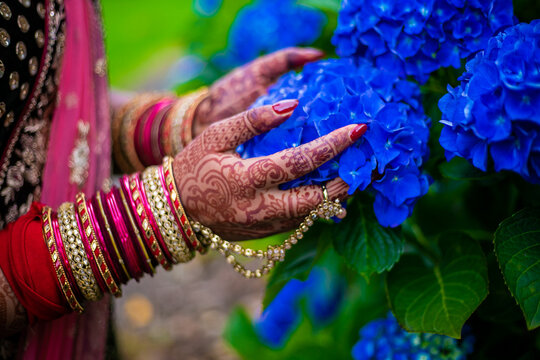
column 365, row 245
column 240, row 334
column 460, row 169
column 328, row 5
column 441, row 297
column 517, row 246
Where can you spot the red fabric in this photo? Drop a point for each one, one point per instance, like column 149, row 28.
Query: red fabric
column 27, row 266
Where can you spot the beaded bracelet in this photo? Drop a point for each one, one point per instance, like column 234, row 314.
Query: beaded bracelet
column 273, row 253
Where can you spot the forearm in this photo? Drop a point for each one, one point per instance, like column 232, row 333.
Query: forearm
column 92, row 246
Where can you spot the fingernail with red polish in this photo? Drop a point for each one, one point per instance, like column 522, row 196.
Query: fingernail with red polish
column 285, row 106
column 358, row 131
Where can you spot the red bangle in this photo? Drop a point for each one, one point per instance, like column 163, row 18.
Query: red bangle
column 94, row 236
column 63, row 281
column 86, row 233
column 135, row 199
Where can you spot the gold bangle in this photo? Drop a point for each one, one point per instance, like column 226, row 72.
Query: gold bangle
column 143, row 220
column 111, row 236
column 90, row 233
column 73, row 245
column 178, row 208
column 50, row 242
column 163, row 216
column 183, row 114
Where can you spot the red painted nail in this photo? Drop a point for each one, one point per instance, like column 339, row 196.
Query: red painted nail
column 358, row 131
column 285, row 106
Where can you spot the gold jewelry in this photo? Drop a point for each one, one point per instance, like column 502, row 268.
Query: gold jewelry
column 163, row 216
column 95, row 247
column 123, row 130
column 76, row 253
column 111, row 236
column 136, row 232
column 273, row 253
column 178, row 208
column 50, row 241
column 183, row 114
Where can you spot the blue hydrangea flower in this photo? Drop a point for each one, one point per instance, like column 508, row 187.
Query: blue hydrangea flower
column 417, row 37
column 384, row 339
column 338, row 92
column 323, row 294
column 269, row 25
column 495, row 112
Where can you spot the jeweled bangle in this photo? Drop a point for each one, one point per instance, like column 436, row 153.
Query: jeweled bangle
column 164, row 217
column 63, row 256
column 139, row 246
column 112, row 254
column 152, row 221
column 141, row 216
column 181, row 123
column 167, row 178
column 50, row 242
column 76, row 253
column 89, row 225
column 126, row 248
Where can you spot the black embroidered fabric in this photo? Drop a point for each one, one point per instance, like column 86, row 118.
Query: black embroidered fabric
column 30, row 31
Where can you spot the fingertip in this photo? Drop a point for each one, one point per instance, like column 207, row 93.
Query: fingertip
column 285, row 106
column 358, row 132
column 301, row 56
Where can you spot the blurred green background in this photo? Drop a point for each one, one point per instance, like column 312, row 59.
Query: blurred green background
column 144, row 39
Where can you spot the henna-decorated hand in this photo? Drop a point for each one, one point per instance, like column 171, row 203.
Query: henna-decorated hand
column 237, row 90
column 239, row 198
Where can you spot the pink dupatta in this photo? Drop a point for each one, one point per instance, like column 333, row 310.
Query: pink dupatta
column 80, row 124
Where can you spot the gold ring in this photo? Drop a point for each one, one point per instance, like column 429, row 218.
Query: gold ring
column 324, row 192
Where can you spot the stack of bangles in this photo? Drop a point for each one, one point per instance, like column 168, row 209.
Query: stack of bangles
column 153, row 125
column 98, row 243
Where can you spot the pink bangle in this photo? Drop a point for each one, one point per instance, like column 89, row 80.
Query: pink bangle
column 116, row 256
column 86, row 243
column 155, row 141
column 147, row 262
column 152, row 221
column 123, row 235
column 136, row 201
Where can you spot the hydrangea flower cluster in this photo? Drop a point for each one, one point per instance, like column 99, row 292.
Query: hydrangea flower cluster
column 417, row 37
column 269, row 25
column 387, row 159
column 323, row 294
column 384, row 339
column 496, row 108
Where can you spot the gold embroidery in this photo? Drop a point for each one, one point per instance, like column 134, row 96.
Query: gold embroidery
column 5, row 11
column 78, row 161
column 4, row 38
